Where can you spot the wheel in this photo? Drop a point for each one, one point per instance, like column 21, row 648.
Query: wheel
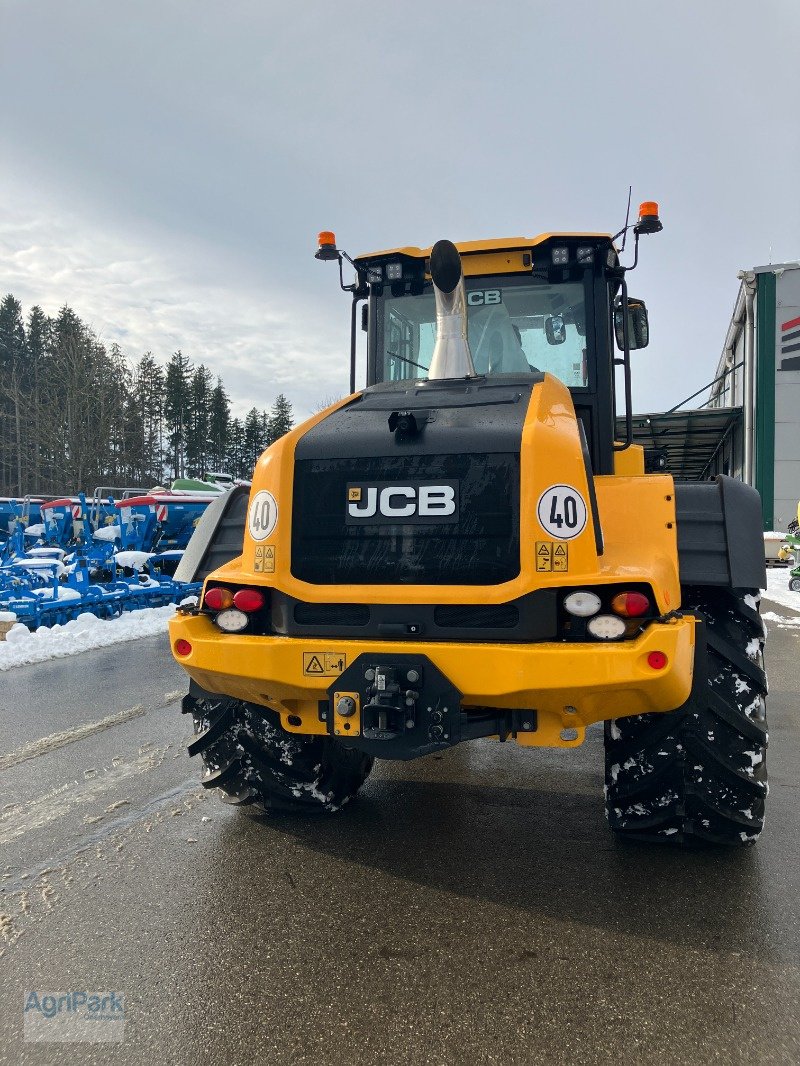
column 249, row 756
column 699, row 773
column 794, row 584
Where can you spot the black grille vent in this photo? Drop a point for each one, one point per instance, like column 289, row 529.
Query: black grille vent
column 331, row 614
column 479, row 547
column 477, row 615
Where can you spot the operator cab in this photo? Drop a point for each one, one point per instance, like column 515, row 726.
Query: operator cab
column 533, row 305
column 554, row 303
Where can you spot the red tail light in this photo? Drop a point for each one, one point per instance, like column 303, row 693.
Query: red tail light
column 630, row 604
column 183, row 647
column 218, row 599
column 657, row 660
column 249, row 600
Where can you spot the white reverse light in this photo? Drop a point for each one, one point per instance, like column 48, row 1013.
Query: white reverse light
column 394, row 271
column 606, row 627
column 582, row 604
column 232, row 620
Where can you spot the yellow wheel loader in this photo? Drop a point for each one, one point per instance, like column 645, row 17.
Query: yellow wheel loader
column 462, row 549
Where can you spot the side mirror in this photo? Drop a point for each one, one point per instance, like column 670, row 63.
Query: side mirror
column 638, row 326
column 554, row 329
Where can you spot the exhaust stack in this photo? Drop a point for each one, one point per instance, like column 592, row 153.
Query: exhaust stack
column 452, row 357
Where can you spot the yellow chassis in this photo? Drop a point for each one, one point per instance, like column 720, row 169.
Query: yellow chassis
column 570, row 685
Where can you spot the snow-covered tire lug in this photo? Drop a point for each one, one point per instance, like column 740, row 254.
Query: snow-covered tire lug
column 698, row 774
column 252, row 759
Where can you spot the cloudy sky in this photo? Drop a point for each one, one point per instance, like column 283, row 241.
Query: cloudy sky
column 166, row 164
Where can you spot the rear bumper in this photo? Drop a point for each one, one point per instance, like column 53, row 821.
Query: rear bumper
column 569, row 685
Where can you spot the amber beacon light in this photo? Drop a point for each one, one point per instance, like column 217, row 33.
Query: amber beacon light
column 649, row 222
column 327, row 246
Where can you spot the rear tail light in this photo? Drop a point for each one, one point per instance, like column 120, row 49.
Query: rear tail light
column 630, row 604
column 606, row 627
column 231, row 620
column 582, row 604
column 217, row 599
column 183, row 647
column 249, row 600
column 657, row 660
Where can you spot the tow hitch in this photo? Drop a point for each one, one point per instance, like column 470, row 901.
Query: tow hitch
column 399, row 706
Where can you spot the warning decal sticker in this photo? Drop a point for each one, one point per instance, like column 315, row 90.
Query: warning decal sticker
column 551, row 558
column 265, row 559
column 323, row 663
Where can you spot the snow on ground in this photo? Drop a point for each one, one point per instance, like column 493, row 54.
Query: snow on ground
column 22, row 647
column 778, row 588
column 780, row 621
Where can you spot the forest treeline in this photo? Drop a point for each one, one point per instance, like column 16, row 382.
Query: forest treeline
column 76, row 414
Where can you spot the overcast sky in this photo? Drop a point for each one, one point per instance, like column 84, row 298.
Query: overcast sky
column 168, row 163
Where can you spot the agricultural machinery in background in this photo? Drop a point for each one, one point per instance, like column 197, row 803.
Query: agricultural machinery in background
column 112, row 552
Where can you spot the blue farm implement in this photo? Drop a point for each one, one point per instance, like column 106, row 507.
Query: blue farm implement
column 116, row 551
column 17, row 514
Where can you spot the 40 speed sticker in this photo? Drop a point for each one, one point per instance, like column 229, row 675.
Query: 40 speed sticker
column 562, row 511
column 263, row 515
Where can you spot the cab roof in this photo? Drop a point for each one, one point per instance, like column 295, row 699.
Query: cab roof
column 498, row 244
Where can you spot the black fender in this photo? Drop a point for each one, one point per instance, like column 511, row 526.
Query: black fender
column 720, row 534
column 218, row 536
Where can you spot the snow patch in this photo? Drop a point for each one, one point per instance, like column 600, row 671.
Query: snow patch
column 87, row 631
column 778, row 590
column 132, row 560
column 753, row 648
column 107, row 533
column 782, row 622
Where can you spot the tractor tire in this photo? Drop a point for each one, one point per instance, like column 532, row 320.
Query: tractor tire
column 252, row 759
column 794, row 584
column 698, row 773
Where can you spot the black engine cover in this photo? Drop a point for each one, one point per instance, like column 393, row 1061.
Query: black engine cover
column 376, row 505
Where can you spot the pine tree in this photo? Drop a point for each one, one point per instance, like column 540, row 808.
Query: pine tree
column 12, row 393
column 281, row 418
column 236, row 457
column 219, row 426
column 38, row 342
column 147, row 399
column 177, row 402
column 198, row 422
column 254, row 442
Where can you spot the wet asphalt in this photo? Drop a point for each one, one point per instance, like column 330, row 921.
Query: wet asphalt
column 471, row 908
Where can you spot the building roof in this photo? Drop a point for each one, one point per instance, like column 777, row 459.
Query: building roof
column 775, row 268
column 689, row 439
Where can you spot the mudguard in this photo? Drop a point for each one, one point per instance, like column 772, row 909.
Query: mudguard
column 218, row 536
column 720, row 536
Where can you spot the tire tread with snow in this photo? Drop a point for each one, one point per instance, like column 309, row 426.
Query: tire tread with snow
column 252, row 759
column 699, row 773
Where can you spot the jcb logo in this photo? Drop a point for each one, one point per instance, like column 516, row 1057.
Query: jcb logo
column 484, row 298
column 389, row 503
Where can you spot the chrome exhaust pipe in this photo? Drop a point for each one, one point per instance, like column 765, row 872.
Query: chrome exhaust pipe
column 452, row 357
